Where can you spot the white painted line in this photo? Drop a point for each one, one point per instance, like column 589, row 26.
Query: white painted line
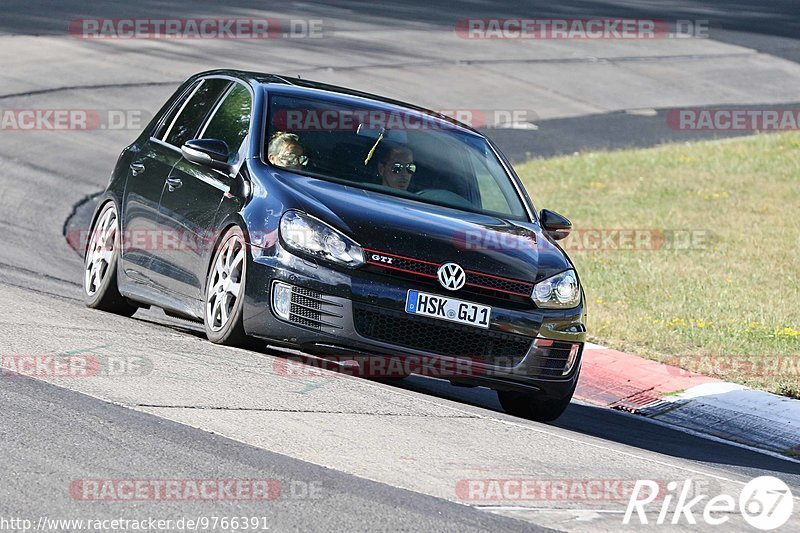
column 593, row 346
column 736, row 412
column 744, row 401
column 545, row 509
column 699, row 434
column 706, row 389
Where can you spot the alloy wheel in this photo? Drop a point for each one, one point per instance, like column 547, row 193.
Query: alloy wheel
column 225, row 283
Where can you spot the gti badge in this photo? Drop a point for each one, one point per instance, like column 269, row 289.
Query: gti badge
column 451, row 276
column 382, row 259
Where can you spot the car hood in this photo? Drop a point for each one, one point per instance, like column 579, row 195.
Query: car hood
column 399, row 226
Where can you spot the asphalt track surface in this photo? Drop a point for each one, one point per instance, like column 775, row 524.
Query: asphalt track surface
column 384, row 457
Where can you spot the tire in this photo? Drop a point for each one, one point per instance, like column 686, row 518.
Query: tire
column 534, row 407
column 100, row 287
column 224, row 294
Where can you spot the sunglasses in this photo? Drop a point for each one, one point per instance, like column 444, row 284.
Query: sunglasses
column 294, row 160
column 408, row 167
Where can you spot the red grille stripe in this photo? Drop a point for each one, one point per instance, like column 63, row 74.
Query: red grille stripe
column 401, row 257
column 470, row 283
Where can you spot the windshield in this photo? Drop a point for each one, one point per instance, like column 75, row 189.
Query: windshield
column 397, row 152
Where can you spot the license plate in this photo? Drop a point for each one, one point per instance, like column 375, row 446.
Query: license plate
column 444, row 308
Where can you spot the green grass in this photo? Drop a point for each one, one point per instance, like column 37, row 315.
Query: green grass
column 737, row 294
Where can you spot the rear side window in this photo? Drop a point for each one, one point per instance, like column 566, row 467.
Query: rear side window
column 231, row 121
column 195, row 111
column 165, row 123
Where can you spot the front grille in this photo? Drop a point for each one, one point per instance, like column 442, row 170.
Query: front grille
column 510, row 286
column 476, row 282
column 438, row 337
column 407, row 264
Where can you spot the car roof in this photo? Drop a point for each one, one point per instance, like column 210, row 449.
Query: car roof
column 266, row 79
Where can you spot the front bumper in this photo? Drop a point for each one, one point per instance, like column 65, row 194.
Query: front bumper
column 357, row 313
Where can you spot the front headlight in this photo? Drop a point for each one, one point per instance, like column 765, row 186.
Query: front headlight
column 561, row 291
column 305, row 233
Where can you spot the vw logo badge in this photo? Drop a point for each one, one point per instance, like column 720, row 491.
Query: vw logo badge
column 451, row 276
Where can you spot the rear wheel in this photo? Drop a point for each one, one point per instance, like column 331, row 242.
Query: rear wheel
column 533, row 407
column 100, row 265
column 224, row 296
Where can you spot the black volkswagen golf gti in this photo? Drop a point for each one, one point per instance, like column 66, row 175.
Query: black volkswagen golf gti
column 343, row 225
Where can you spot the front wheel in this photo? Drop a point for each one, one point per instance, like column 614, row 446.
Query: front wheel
column 533, row 407
column 100, row 265
column 224, row 295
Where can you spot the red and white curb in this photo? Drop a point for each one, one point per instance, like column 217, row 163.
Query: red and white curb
column 691, row 401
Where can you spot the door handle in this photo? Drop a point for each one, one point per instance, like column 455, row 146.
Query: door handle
column 137, row 167
column 174, row 183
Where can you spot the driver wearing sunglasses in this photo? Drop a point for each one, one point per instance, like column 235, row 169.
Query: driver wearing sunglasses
column 396, row 167
column 284, row 150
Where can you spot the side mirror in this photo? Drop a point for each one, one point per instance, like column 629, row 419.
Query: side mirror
column 557, row 226
column 212, row 153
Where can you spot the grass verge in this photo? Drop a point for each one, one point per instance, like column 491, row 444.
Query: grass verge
column 706, row 275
